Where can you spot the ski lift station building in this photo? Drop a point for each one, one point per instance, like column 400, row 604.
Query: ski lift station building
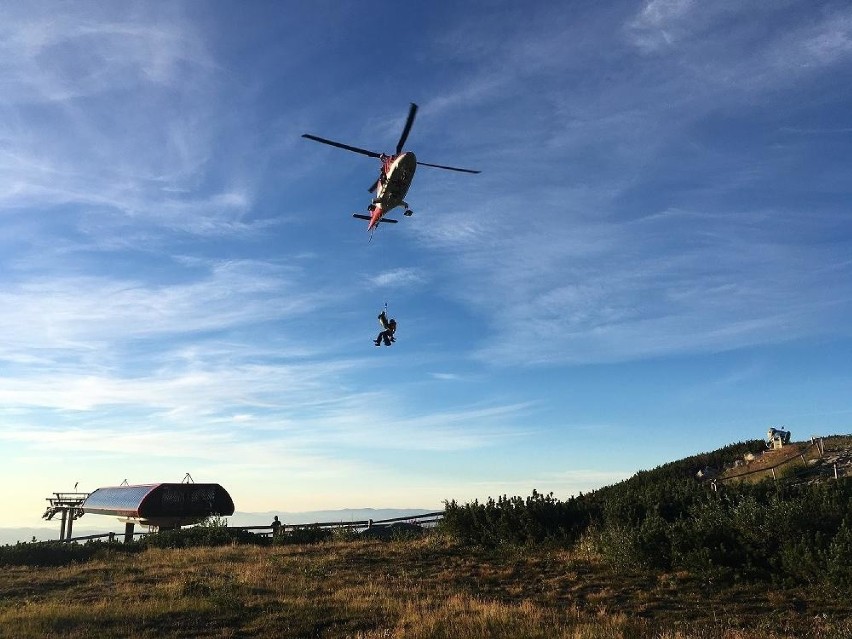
column 162, row 505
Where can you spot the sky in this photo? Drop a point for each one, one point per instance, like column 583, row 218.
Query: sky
column 655, row 261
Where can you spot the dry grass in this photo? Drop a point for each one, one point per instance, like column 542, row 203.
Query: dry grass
column 425, row 589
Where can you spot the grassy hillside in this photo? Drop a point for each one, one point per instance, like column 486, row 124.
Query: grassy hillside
column 428, row 588
column 795, row 530
column 659, row 555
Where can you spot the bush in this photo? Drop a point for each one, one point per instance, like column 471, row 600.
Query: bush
column 51, row 553
column 304, row 535
column 398, row 531
column 839, row 556
column 203, row 535
column 616, row 544
column 515, row 521
column 664, row 519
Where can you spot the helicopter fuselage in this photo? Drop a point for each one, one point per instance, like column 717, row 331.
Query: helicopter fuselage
column 394, row 182
column 397, row 180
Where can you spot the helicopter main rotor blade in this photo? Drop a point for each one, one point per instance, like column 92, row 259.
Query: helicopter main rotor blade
column 354, row 149
column 412, row 111
column 448, row 168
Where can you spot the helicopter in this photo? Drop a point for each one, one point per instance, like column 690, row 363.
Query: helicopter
column 395, row 176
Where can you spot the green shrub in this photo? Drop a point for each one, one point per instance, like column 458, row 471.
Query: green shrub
column 617, row 545
column 345, row 533
column 798, row 561
column 536, row 519
column 839, row 556
column 203, row 535
column 51, row 553
column 664, row 519
column 304, row 535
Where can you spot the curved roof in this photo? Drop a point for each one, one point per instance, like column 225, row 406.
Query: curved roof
column 161, row 504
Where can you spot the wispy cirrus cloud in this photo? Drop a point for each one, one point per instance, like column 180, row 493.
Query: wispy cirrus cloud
column 447, row 377
column 80, row 311
column 717, row 287
column 660, row 23
column 589, row 268
column 716, row 44
column 119, row 115
column 304, row 417
column 53, row 55
column 463, row 428
column 398, row 277
column 180, row 388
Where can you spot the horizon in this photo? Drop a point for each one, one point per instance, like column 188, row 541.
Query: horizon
column 102, row 524
column 49, row 531
column 653, row 263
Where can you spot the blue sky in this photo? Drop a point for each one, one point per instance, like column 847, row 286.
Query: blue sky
column 655, row 261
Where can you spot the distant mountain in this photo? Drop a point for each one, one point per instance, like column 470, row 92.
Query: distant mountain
column 97, row 525
column 317, row 516
column 14, row 535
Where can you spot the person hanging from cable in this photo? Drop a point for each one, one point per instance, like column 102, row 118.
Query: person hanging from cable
column 388, row 329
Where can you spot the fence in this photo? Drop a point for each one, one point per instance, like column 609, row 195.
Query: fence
column 816, row 450
column 110, row 536
column 425, row 520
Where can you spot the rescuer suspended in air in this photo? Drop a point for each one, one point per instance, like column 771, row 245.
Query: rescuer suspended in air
column 388, row 329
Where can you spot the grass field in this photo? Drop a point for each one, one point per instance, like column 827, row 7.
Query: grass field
column 424, row 588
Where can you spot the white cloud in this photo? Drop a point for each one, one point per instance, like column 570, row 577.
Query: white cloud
column 716, row 48
column 559, row 274
column 121, row 118
column 447, row 377
column 398, row 278
column 814, row 47
column 679, row 282
column 56, row 54
column 180, row 390
column 660, row 22
column 297, row 428
column 82, row 312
